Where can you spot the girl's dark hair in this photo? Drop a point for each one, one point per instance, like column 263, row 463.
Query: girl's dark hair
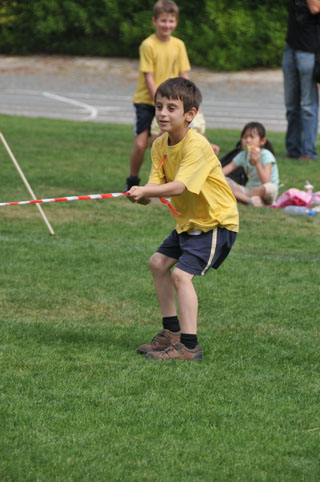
column 256, row 126
column 182, row 89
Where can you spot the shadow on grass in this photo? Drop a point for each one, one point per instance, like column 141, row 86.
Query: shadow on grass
column 57, row 335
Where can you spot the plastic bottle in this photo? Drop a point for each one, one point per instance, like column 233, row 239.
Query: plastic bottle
column 308, row 187
column 299, row 210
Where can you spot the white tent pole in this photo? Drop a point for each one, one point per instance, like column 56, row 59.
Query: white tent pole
column 25, row 181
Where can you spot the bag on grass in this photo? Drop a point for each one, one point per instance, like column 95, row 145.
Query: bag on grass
column 293, row 197
column 239, row 174
column 315, row 198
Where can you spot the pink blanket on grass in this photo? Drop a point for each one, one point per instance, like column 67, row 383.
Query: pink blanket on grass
column 293, row 197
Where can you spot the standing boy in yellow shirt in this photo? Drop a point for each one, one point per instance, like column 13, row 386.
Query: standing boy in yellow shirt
column 186, row 169
column 161, row 57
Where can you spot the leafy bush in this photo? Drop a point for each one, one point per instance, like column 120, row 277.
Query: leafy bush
column 220, row 36
column 236, row 36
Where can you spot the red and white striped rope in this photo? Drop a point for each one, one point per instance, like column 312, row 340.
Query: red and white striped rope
column 67, row 198
column 83, row 198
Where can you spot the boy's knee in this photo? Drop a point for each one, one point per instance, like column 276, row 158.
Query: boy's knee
column 156, row 262
column 141, row 147
column 179, row 277
column 141, row 143
column 159, row 263
column 176, row 278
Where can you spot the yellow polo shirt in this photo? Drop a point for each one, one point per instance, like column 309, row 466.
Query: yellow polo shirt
column 164, row 59
column 207, row 201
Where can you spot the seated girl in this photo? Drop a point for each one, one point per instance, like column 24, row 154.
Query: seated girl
column 257, row 159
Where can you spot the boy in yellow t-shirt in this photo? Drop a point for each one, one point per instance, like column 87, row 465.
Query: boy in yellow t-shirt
column 185, row 168
column 161, row 57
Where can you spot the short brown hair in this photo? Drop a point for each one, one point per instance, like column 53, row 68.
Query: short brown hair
column 165, row 6
column 182, row 89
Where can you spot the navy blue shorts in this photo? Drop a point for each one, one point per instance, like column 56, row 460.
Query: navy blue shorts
column 144, row 117
column 197, row 253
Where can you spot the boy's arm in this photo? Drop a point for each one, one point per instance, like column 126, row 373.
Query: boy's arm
column 169, row 189
column 150, row 83
column 185, row 75
column 314, row 6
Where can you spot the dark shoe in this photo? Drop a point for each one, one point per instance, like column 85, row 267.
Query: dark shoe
column 287, row 155
column 305, row 157
column 162, row 340
column 177, row 352
column 131, row 181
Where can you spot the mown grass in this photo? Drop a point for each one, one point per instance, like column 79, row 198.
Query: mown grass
column 77, row 402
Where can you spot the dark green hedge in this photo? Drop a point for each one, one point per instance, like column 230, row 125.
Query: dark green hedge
column 220, row 35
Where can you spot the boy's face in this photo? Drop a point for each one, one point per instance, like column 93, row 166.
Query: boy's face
column 171, row 117
column 165, row 24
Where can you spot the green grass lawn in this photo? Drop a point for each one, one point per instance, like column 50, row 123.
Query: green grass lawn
column 76, row 400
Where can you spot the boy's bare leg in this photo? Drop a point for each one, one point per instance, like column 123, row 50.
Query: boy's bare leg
column 160, row 266
column 187, row 301
column 137, row 154
column 187, row 349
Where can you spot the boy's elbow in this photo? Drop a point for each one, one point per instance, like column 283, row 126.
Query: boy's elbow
column 180, row 187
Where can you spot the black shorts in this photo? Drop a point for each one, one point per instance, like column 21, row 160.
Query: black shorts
column 197, row 253
column 144, row 117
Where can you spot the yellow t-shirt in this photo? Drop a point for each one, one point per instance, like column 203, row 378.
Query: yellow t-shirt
column 207, row 201
column 164, row 59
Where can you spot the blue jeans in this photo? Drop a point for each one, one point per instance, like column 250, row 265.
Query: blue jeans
column 301, row 99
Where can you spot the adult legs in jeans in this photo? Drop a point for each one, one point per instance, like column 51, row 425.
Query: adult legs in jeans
column 301, row 99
